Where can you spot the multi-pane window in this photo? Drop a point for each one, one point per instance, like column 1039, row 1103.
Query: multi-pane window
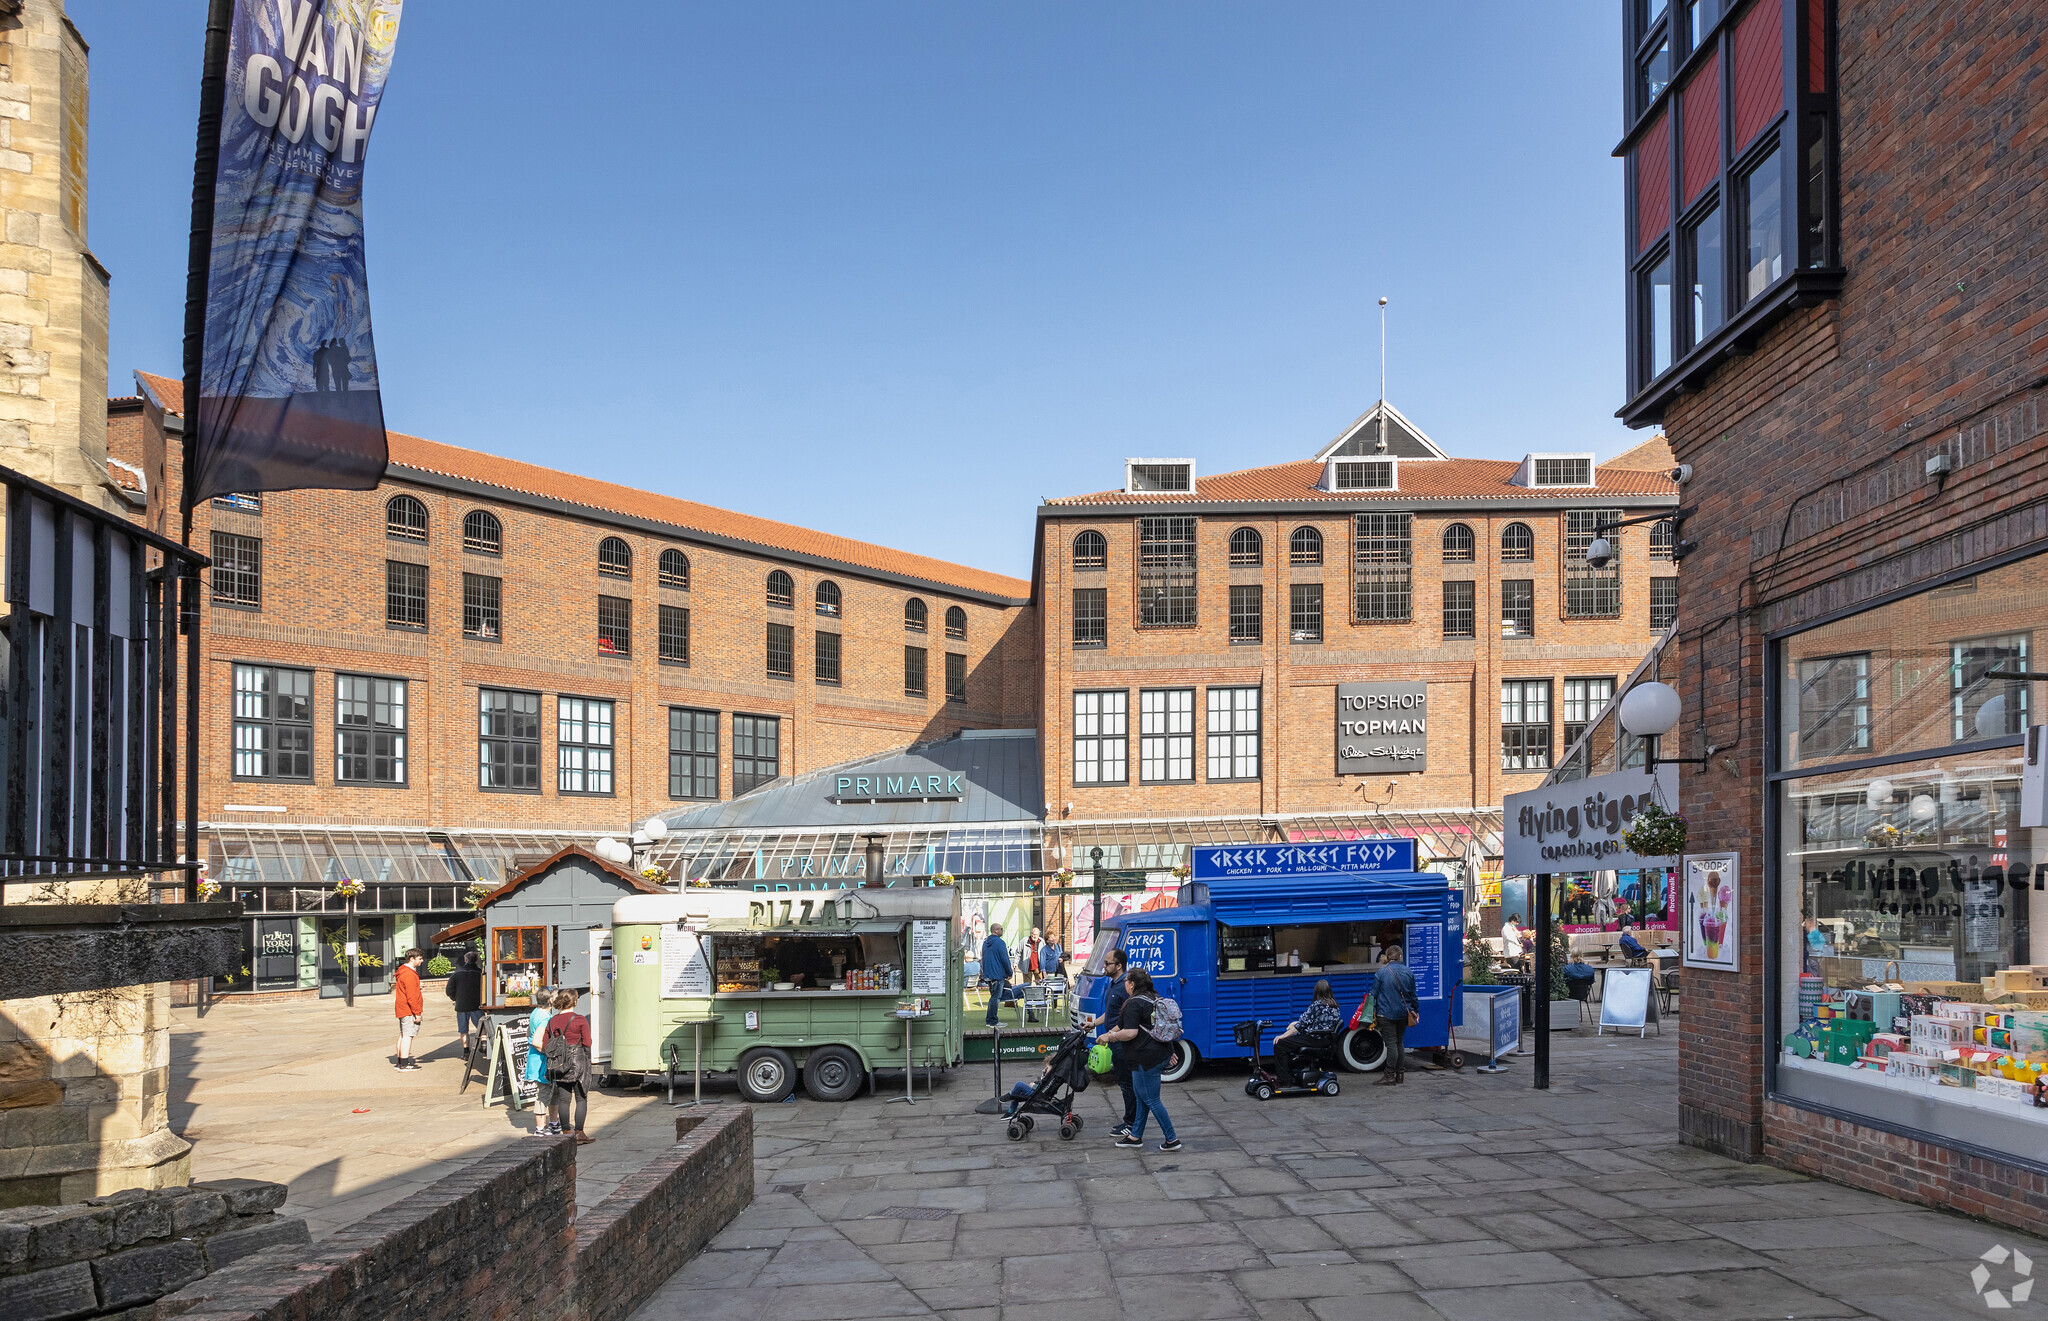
column 1091, row 551
column 756, row 751
column 1461, row 613
column 1247, row 612
column 1102, row 737
column 1517, row 543
column 913, row 672
column 781, row 651
column 1581, row 703
column 1765, row 257
column 273, row 723
column 956, row 677
column 1305, row 612
column 692, row 753
column 1305, row 548
column 956, row 622
column 237, row 570
column 405, row 594
column 405, row 519
column 1233, row 742
column 781, row 590
column 614, row 626
column 1247, row 548
column 1663, row 540
column 1663, row 602
column 1982, row 704
column 1590, row 593
column 583, row 745
column 482, row 613
column 1160, row 477
column 1834, row 706
column 1166, row 572
column 672, row 634
column 1166, row 735
column 1381, row 588
column 1564, row 472
column 248, row 502
column 1091, row 616
column 369, row 729
column 482, row 534
column 508, row 740
column 673, row 570
column 828, row 599
column 914, row 615
column 1374, row 475
column 825, row 658
column 614, row 558
column 1518, row 607
column 1459, row 547
column 1525, row 724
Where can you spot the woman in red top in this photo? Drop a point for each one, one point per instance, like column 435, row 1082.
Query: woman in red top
column 575, row 1029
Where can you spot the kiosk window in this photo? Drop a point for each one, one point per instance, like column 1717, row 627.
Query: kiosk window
column 1323, row 947
column 518, row 960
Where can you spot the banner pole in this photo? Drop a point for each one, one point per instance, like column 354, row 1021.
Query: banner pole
column 1540, row 993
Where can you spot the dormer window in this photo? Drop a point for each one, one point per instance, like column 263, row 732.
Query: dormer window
column 1555, row 470
column 1362, row 475
column 1158, row 475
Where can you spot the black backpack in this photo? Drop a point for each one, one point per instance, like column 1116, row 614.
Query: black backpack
column 561, row 1054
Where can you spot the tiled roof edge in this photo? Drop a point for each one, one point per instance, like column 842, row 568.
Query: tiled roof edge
column 1340, row 501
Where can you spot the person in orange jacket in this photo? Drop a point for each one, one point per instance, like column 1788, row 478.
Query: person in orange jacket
column 410, row 1005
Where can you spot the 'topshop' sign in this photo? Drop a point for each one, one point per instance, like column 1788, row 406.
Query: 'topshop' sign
column 1153, row 950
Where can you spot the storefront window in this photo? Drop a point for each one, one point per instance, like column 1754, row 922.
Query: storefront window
column 518, row 962
column 1905, row 882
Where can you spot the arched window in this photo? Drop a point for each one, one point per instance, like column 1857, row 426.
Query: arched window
column 614, row 558
column 1305, row 547
column 1091, row 551
column 828, row 599
column 781, row 590
column 1458, row 544
column 482, row 533
column 1517, row 543
column 1247, row 547
column 405, row 518
column 914, row 615
column 673, row 569
column 956, row 622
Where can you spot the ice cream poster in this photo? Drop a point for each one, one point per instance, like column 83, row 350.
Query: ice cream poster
column 1713, row 905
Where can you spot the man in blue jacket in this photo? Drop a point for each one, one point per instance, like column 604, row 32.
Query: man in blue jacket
column 1395, row 1006
column 996, row 970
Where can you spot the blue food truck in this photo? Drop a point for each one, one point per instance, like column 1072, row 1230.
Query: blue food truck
column 1257, row 925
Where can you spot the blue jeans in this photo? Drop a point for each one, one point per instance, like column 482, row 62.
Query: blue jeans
column 469, row 1020
column 1145, row 1083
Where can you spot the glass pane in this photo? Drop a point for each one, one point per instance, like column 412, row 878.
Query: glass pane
column 1765, row 224
column 530, row 943
column 1703, row 255
column 1656, row 312
column 1656, row 71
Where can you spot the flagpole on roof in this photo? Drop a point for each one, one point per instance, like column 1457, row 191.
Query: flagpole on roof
column 1383, row 372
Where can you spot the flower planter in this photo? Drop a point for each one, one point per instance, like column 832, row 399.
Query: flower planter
column 1564, row 1015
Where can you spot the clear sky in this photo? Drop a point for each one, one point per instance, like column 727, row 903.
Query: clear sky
column 900, row 270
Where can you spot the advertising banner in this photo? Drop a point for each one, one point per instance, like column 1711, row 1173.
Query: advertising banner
column 1713, row 908
column 288, row 386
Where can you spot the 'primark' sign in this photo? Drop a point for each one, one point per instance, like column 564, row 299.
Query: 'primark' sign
column 886, row 786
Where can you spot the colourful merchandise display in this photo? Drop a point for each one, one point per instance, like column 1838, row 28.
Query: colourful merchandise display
column 1997, row 1051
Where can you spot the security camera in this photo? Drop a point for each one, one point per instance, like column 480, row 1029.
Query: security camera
column 1682, row 473
column 1601, row 553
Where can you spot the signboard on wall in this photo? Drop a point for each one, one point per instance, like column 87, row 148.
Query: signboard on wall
column 1577, row 825
column 1382, row 728
column 1153, row 950
column 685, row 971
column 1713, row 909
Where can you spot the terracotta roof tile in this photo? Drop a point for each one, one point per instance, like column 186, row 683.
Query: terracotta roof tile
column 126, row 476
column 1433, row 479
column 511, row 474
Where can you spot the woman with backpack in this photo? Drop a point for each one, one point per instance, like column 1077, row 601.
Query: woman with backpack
column 1145, row 1056
column 567, row 1048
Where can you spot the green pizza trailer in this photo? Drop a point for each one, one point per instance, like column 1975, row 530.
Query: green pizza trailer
column 778, row 988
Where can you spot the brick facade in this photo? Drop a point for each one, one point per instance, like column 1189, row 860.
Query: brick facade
column 1813, row 495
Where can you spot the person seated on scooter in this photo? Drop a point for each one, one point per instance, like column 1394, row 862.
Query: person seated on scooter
column 1322, row 1016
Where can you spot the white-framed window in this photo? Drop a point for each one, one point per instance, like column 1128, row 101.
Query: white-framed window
column 1233, row 734
column 583, row 745
column 1102, row 737
column 1166, row 736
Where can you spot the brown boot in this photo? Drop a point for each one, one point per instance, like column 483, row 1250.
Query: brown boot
column 1387, row 1081
column 583, row 1137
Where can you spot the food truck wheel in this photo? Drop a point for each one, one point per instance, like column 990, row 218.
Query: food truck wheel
column 833, row 1073
column 767, row 1074
column 1180, row 1062
column 1362, row 1051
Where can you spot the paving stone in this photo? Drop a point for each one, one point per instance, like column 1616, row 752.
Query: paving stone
column 1736, row 1295
column 1794, row 1232
column 1580, row 1300
column 1320, row 1281
column 1374, row 1307
column 1063, row 1275
column 1291, row 1235
column 1498, row 1269
column 1196, row 1295
column 1699, row 1254
column 1369, row 1229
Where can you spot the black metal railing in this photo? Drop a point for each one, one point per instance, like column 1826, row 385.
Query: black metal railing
column 90, row 718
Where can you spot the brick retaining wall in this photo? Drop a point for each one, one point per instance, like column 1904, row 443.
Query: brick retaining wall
column 661, row 1217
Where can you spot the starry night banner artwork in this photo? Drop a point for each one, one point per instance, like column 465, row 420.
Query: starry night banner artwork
column 288, row 387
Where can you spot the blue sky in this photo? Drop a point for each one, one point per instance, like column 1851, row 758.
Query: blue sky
column 898, row 271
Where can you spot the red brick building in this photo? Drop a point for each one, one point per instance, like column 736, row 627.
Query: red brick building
column 1838, row 291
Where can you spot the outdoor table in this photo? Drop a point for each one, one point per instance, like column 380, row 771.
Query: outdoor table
column 909, row 1017
column 697, row 1061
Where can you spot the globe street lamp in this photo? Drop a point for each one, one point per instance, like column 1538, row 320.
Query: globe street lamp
column 1649, row 711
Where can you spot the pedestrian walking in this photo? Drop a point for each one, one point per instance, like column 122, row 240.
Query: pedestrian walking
column 410, row 1005
column 1395, row 1006
column 1112, row 1016
column 996, row 970
column 568, row 1066
column 537, row 1069
column 466, row 989
column 1147, row 1056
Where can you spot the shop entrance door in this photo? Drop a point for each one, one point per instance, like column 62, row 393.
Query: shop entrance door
column 276, row 953
column 373, row 966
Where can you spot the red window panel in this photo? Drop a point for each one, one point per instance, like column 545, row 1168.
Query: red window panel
column 1653, row 182
column 1816, row 45
column 1759, row 71
column 1700, row 103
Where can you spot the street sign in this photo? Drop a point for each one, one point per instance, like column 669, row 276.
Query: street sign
column 1356, row 855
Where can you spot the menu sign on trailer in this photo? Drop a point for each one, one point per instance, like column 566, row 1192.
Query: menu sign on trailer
column 1382, row 728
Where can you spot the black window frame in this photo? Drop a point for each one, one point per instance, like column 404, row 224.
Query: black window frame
column 615, row 558
column 1518, row 543
column 1104, row 728
column 1305, row 547
column 827, row 601
column 828, row 652
column 1234, row 735
column 956, row 677
column 1663, row 601
column 1821, row 706
column 615, row 626
column 779, row 648
column 1518, row 607
column 1460, row 608
column 917, row 615
column 1299, row 614
column 240, row 558
column 483, row 533
column 1090, row 551
column 672, row 570
column 502, row 725
column 956, row 623
column 1247, row 614
column 749, row 732
column 1970, row 661
column 405, row 596
column 1663, row 541
column 1363, row 475
column 1521, row 751
column 1576, row 709
column 596, row 757
column 1090, row 620
column 691, row 764
column 405, row 519
column 1383, row 568
column 1247, row 548
column 916, row 671
column 483, row 607
column 672, row 634
column 1591, row 593
column 1166, row 583
column 1458, row 544
column 781, row 590
column 1166, row 737
column 289, row 734
column 361, row 739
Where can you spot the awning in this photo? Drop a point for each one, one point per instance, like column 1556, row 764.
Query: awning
column 1244, row 901
column 869, row 927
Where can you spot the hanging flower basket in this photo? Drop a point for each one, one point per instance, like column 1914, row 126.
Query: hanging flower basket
column 207, row 889
column 349, row 889
column 1182, row 872
column 1885, row 835
column 1065, row 876
column 659, row 875
column 943, row 878
column 1655, row 833
column 478, row 891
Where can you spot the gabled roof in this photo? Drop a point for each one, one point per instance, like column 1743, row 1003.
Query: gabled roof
column 436, row 460
column 538, row 869
column 1361, row 439
column 1450, row 482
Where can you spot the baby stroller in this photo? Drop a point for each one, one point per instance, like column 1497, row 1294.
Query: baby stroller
column 1065, row 1077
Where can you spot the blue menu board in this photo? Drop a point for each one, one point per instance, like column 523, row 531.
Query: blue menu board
column 1426, row 959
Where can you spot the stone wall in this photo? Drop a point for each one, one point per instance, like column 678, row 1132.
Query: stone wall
column 661, row 1217
column 124, row 1252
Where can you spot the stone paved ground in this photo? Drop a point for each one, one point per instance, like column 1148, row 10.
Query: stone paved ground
column 1456, row 1196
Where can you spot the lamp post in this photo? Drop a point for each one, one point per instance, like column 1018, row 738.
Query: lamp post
column 1650, row 711
column 1095, row 885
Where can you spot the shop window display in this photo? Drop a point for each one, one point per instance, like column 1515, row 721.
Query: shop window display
column 1912, row 990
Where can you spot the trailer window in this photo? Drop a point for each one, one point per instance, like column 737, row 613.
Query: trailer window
column 1322, row 946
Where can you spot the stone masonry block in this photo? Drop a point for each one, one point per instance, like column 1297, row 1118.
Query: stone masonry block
column 198, row 1213
column 233, row 1245
column 142, row 1275
column 138, row 1217
column 73, row 1233
column 246, row 1197
column 49, row 1295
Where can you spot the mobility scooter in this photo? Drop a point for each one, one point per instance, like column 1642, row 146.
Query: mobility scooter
column 1314, row 1064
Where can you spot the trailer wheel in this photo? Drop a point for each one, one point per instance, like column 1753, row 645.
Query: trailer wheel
column 1180, row 1061
column 1362, row 1051
column 767, row 1075
column 833, row 1073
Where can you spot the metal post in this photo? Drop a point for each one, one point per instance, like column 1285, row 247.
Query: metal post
column 1095, row 875
column 348, row 954
column 1540, row 1001
column 873, row 863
